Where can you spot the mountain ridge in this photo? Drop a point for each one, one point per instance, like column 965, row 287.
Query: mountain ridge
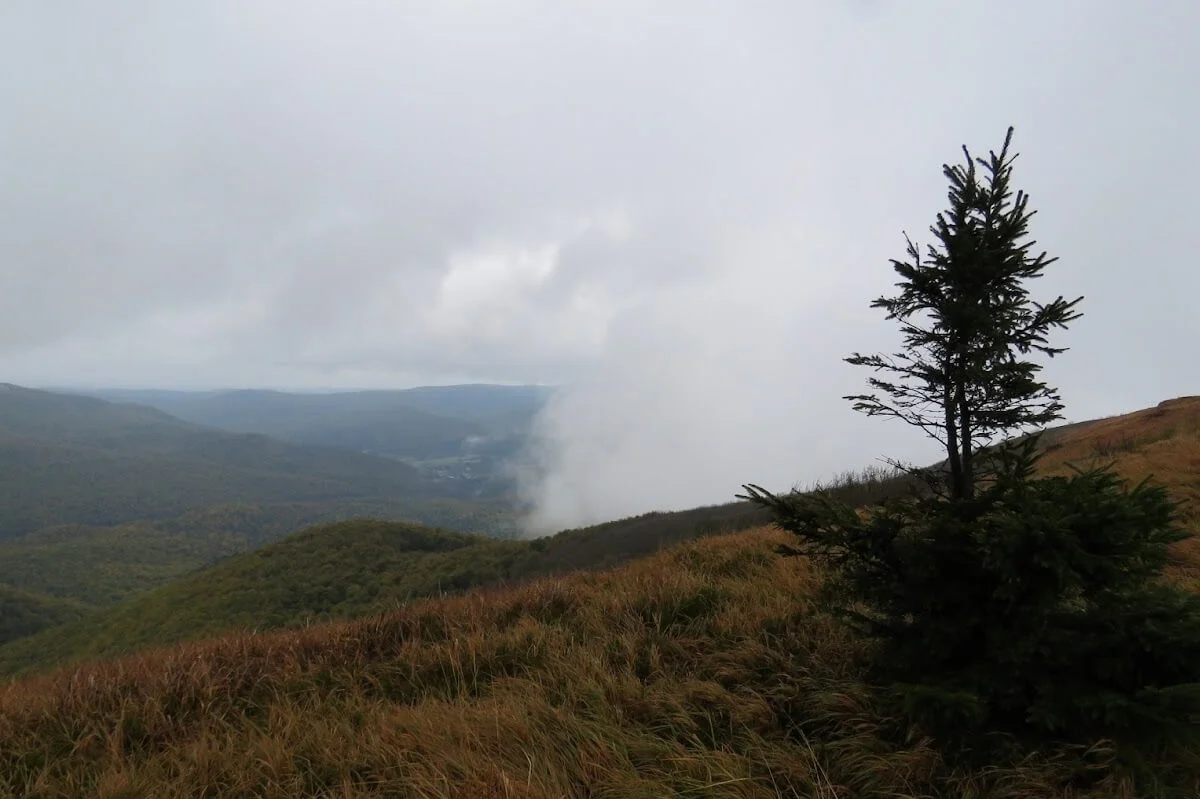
column 1149, row 441
column 81, row 460
column 422, row 423
column 176, row 612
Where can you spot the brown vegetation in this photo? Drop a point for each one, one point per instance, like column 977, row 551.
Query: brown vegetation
column 703, row 670
column 1161, row 444
column 700, row 671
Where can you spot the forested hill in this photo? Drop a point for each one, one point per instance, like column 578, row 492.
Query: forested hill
column 419, row 423
column 72, row 459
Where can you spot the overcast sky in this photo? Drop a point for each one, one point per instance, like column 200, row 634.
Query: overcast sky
column 681, row 209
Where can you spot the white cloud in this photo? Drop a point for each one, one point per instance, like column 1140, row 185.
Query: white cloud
column 681, row 209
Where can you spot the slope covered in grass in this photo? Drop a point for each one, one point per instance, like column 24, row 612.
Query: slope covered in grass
column 101, row 566
column 700, row 671
column 339, row 571
column 346, row 570
column 333, row 571
column 1161, row 444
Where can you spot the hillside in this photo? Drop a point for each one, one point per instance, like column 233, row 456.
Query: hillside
column 1160, row 443
column 661, row 677
column 360, row 422
column 101, row 500
column 23, row 613
column 100, row 566
column 79, row 460
column 342, row 570
column 421, row 423
column 350, row 569
column 699, row 671
column 330, row 571
column 494, row 406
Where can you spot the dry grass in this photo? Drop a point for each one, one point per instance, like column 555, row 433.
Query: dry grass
column 701, row 671
column 1160, row 443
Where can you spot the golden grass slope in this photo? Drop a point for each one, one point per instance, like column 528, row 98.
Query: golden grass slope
column 1160, row 443
column 700, row 671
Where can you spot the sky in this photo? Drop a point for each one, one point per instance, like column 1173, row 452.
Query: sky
column 679, row 211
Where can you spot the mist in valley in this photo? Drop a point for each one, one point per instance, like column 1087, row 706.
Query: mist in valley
column 676, row 212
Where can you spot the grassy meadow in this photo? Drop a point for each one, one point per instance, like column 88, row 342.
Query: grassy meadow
column 701, row 671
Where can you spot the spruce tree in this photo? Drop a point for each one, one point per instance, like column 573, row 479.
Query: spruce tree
column 969, row 323
column 1001, row 601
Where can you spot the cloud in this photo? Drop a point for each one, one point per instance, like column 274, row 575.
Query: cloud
column 679, row 210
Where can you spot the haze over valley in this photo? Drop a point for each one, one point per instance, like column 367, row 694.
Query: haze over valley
column 540, row 399
column 676, row 213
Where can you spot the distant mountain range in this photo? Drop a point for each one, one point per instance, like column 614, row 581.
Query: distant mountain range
column 71, row 591
column 103, row 499
column 80, row 460
column 358, row 567
column 420, row 423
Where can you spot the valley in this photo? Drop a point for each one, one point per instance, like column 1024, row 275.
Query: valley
column 532, row 400
column 106, row 500
column 459, row 438
column 354, row 638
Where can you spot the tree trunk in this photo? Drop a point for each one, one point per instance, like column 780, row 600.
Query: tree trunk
column 965, row 444
column 952, row 453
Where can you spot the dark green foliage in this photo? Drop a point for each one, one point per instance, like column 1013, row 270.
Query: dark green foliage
column 340, row 570
column 1031, row 609
column 23, row 613
column 969, row 323
column 104, row 565
column 1005, row 607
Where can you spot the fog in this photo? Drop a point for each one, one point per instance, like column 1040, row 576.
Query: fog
column 679, row 212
